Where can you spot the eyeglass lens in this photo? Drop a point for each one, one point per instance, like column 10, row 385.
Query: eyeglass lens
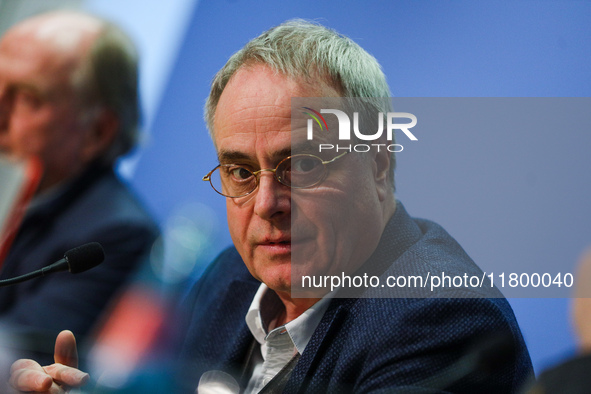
column 297, row 171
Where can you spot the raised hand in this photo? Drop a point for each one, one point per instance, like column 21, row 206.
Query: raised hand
column 57, row 378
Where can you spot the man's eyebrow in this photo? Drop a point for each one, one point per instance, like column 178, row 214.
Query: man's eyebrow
column 225, row 156
column 282, row 154
column 304, row 147
column 30, row 88
column 231, row 156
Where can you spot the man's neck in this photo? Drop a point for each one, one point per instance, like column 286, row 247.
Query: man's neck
column 294, row 307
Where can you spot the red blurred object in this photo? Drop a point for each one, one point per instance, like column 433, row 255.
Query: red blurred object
column 18, row 182
column 129, row 333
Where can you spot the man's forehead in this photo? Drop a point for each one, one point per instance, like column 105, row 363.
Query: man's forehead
column 52, row 42
column 253, row 118
column 39, row 69
column 272, row 89
column 259, row 91
column 64, row 31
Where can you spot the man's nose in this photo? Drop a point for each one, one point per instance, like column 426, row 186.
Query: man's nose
column 272, row 199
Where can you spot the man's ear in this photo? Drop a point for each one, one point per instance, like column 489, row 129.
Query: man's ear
column 382, row 173
column 100, row 134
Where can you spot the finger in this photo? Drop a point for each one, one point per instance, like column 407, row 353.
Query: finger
column 54, row 389
column 65, row 351
column 26, row 364
column 69, row 376
column 27, row 375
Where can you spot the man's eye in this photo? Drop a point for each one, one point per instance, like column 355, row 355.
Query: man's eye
column 305, row 164
column 239, row 173
column 27, row 99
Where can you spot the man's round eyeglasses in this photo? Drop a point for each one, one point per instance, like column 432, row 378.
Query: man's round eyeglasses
column 298, row 171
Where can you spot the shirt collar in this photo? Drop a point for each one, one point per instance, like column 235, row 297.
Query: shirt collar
column 300, row 330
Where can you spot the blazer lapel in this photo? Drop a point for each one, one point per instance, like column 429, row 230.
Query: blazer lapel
column 222, row 342
column 230, row 323
column 330, row 322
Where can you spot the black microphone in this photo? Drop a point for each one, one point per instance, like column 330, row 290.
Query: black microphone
column 75, row 260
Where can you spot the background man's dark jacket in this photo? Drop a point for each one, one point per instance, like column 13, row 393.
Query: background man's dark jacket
column 94, row 207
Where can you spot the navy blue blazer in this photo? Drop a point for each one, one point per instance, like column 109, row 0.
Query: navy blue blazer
column 363, row 344
column 94, row 207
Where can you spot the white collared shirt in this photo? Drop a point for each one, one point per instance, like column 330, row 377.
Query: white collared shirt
column 278, row 345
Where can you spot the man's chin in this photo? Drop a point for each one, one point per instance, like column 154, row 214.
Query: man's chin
column 279, row 285
column 275, row 272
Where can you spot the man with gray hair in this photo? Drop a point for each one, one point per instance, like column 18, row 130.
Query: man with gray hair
column 69, row 99
column 295, row 212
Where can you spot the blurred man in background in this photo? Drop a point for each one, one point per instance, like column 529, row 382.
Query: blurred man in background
column 69, row 98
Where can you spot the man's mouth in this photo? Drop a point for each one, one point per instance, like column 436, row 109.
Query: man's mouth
column 286, row 242
column 279, row 245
